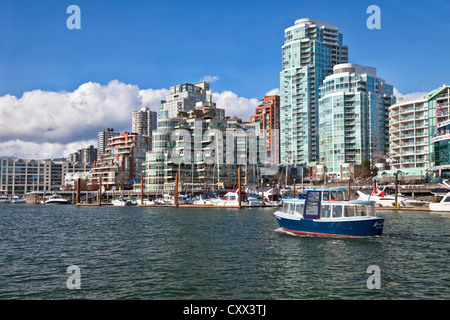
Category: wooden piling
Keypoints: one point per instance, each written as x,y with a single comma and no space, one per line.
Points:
176,190
78,190
100,191
239,186
142,189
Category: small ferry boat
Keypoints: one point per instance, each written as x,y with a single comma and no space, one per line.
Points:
325,212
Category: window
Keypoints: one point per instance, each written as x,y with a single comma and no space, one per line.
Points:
349,211
326,211
337,211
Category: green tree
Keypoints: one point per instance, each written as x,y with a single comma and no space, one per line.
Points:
211,113
182,114
197,113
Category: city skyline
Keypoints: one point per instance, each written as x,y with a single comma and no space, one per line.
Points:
119,62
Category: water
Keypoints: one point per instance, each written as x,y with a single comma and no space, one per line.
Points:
168,253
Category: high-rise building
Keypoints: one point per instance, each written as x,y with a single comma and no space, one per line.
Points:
267,116
353,118
144,121
102,140
207,166
121,163
419,134
184,97
85,155
311,49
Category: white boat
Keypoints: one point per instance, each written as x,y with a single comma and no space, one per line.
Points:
121,202
388,200
4,199
443,205
231,199
205,199
56,199
253,202
18,200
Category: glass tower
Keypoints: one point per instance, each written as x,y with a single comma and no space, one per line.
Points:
311,49
353,117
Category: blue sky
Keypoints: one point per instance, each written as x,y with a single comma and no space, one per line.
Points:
157,44
128,53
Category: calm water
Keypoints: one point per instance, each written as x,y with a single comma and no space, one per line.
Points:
166,253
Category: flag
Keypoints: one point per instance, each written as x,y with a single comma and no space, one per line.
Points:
378,193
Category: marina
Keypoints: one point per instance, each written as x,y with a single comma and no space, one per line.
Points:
136,252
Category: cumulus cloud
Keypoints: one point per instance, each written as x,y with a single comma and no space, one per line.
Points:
46,150
58,123
210,79
409,96
234,105
273,92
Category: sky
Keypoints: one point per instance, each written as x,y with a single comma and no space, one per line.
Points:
60,86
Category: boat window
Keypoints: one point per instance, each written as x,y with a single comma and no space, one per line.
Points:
340,196
361,211
333,195
325,196
337,211
349,211
325,211
446,199
299,208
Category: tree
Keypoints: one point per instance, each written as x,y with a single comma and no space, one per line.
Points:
182,114
197,113
211,113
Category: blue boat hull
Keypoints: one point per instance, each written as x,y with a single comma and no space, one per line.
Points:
345,227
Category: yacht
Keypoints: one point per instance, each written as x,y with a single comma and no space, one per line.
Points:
388,200
121,202
56,199
443,205
4,198
18,200
231,199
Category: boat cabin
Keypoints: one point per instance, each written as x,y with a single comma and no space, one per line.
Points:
332,194
332,209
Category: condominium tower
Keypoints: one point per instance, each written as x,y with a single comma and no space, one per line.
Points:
184,97
144,121
267,117
353,118
419,134
311,49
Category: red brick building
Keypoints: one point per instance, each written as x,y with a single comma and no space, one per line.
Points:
267,114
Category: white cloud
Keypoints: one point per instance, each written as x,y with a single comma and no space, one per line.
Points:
54,120
44,124
408,96
210,79
273,92
234,105
36,150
